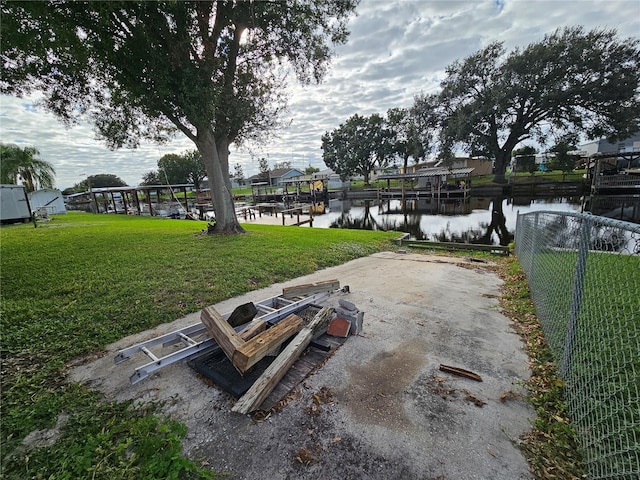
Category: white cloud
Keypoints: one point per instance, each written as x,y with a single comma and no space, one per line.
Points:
396,50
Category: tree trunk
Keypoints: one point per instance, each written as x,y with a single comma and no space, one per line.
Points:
502,160
216,161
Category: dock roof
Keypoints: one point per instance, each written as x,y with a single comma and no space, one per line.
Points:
428,172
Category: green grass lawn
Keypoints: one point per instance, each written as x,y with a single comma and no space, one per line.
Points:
602,382
81,281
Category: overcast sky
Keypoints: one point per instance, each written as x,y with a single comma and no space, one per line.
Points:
397,49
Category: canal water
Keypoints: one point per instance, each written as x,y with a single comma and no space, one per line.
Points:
485,220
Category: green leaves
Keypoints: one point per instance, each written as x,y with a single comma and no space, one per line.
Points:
571,80
358,146
22,164
212,70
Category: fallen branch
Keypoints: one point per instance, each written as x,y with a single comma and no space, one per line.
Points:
461,372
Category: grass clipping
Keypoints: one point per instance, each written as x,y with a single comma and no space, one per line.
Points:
551,446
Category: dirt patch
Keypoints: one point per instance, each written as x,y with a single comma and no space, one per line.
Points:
376,388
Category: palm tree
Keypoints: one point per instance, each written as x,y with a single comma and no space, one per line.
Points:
22,164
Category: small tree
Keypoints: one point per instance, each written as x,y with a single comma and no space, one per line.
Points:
311,170
102,180
195,166
263,167
151,178
22,164
282,165
183,168
406,138
239,173
563,159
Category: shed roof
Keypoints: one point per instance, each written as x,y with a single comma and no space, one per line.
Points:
428,172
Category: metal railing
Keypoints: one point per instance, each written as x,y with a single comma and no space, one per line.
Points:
584,276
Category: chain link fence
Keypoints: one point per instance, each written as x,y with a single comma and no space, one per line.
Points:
584,276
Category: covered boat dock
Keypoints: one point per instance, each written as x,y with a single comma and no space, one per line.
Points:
431,182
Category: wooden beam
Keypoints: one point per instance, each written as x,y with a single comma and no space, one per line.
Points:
247,355
310,288
253,329
248,347
220,330
265,384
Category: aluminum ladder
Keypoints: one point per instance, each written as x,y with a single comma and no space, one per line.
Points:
271,310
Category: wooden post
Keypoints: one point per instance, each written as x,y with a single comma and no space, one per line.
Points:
186,202
124,202
265,384
220,330
138,202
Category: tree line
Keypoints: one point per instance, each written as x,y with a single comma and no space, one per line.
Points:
571,83
215,72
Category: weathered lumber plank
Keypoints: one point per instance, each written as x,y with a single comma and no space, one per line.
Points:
220,330
265,384
498,249
253,329
310,288
254,350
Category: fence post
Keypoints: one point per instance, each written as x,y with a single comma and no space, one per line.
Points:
578,288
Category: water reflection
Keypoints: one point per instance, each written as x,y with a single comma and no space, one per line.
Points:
471,220
481,220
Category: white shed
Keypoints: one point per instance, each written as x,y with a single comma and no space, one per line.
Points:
49,200
14,204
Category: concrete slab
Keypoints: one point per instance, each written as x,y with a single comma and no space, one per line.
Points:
379,408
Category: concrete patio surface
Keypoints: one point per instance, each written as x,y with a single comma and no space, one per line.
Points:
379,408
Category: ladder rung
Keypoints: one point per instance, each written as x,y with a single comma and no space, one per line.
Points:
149,354
265,309
269,314
187,340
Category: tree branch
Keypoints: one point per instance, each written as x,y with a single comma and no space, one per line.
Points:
179,125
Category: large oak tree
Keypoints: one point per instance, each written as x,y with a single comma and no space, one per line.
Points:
358,146
571,81
212,70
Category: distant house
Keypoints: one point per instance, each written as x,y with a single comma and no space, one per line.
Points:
278,176
631,144
238,182
419,166
394,169
629,149
258,178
